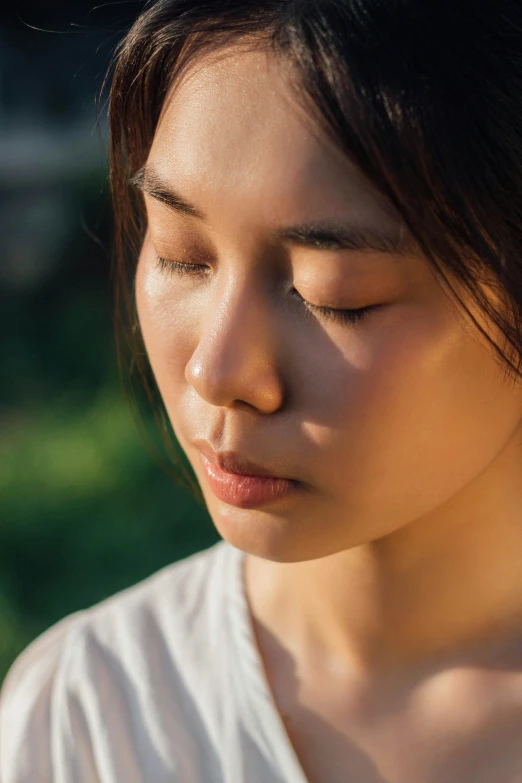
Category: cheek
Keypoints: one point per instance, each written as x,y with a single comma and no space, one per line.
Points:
418,420
165,325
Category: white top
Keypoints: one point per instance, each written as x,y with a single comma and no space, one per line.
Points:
162,682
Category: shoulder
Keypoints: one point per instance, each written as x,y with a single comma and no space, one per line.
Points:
25,705
105,664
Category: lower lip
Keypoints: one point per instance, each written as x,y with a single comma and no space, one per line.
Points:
246,491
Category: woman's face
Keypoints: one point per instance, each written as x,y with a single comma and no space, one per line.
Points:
382,420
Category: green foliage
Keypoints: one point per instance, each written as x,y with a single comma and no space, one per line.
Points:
85,513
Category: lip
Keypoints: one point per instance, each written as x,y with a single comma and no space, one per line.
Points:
240,482
230,462
246,491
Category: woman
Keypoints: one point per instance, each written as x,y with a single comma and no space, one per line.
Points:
325,199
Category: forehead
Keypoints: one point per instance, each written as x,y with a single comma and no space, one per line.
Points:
232,125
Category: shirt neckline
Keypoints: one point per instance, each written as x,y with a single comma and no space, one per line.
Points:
257,685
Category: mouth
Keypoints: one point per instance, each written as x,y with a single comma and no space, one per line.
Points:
231,462
245,489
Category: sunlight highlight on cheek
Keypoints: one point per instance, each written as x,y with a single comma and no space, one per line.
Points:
151,298
167,319
153,283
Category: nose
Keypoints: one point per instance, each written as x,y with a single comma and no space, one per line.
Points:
235,360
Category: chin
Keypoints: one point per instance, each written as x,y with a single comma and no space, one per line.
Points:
271,536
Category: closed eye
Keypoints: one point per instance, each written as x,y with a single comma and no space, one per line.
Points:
180,268
338,314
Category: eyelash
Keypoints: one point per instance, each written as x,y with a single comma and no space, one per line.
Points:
343,316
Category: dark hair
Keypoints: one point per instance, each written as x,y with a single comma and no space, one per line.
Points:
425,97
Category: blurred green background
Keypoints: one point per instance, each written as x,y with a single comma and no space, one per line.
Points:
85,510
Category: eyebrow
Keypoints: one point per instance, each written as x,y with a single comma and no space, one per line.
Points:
319,234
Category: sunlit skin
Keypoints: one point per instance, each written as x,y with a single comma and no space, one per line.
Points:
387,595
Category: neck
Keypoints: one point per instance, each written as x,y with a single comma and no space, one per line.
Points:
446,584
